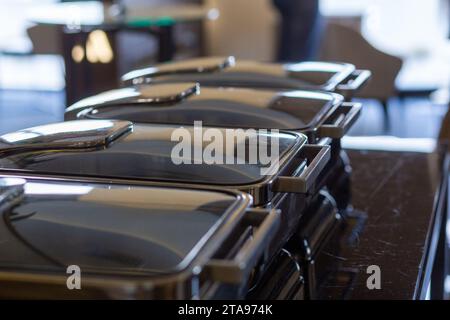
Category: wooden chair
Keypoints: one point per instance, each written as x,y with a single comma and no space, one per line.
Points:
343,43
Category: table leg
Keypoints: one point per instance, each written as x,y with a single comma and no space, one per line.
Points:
440,268
166,40
90,74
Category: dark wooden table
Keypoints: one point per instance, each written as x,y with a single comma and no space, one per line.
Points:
398,224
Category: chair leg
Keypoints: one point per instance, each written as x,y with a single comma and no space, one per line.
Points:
384,104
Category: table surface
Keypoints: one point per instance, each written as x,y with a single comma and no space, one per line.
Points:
394,196
94,14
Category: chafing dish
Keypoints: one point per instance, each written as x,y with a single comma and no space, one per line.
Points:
315,114
320,236
323,117
114,150
306,260
126,240
341,78
283,280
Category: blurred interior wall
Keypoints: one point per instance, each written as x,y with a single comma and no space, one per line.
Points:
245,28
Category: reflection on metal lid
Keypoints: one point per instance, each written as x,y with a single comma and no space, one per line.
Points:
314,95
200,65
111,228
56,189
11,189
11,182
167,92
315,67
106,97
70,135
149,94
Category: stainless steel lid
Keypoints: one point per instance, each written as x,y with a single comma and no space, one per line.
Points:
145,152
218,107
255,163
125,237
80,135
107,228
225,71
313,113
149,95
198,65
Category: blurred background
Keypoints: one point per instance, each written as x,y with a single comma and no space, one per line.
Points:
53,53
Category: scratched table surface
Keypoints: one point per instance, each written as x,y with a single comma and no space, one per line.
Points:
394,196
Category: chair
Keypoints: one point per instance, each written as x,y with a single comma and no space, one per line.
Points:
343,43
46,39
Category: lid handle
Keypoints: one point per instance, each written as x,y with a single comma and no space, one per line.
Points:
317,158
200,65
238,269
11,192
354,82
79,134
340,121
145,95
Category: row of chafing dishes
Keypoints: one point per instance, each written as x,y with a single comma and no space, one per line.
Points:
100,191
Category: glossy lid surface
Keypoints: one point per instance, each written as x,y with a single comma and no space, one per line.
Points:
108,228
69,135
167,153
246,73
198,65
160,94
218,107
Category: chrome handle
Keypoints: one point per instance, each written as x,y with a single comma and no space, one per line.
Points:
70,135
194,66
355,81
238,269
340,121
317,158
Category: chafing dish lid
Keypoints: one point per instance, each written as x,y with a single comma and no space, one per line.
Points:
149,153
318,73
218,107
108,228
161,94
69,135
198,65
246,73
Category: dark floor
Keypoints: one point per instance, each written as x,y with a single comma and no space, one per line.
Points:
410,117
